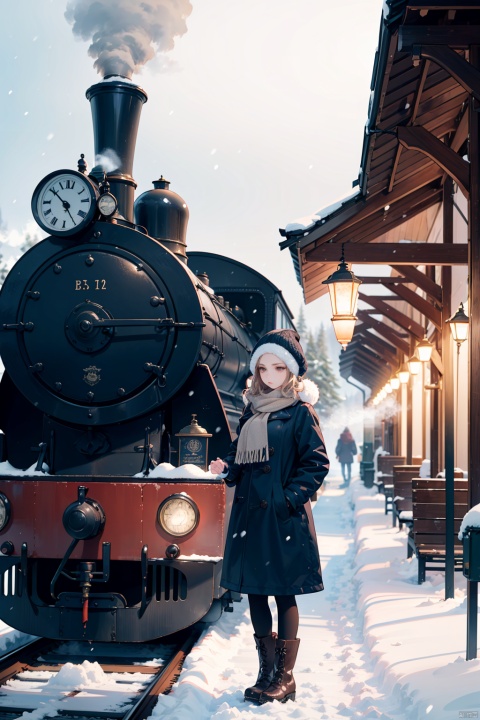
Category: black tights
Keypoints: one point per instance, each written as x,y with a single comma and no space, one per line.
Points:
262,617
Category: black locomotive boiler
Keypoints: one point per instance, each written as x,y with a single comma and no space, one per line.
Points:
112,338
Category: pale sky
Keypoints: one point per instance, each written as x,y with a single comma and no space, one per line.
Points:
259,122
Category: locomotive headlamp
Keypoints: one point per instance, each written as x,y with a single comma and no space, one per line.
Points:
107,204
178,515
4,510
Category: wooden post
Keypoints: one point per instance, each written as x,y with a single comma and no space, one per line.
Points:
448,395
474,341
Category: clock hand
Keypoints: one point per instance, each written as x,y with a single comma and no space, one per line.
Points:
66,205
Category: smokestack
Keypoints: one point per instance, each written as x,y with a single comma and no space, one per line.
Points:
116,107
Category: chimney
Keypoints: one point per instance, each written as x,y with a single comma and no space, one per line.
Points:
116,107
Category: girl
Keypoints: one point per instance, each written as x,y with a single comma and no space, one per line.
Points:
276,464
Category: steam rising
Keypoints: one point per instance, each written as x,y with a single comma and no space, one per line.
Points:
126,34
108,160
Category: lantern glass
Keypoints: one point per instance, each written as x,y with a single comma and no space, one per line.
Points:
388,388
414,365
424,350
459,325
395,382
344,327
344,296
404,374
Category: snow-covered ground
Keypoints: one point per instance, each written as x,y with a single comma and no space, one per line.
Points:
374,644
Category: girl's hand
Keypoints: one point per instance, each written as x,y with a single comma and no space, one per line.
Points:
217,467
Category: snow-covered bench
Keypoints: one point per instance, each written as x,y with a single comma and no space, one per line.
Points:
427,539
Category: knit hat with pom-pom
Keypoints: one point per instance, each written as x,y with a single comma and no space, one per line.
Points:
285,344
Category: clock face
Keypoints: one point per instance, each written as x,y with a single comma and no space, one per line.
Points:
64,202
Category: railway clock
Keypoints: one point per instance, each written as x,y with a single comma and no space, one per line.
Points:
65,202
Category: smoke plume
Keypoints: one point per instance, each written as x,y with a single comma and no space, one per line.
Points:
126,34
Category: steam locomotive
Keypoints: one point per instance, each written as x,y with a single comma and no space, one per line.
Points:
112,339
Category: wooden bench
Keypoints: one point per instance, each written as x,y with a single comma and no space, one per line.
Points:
402,494
427,538
383,476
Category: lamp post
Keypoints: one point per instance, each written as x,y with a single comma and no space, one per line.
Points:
343,288
459,326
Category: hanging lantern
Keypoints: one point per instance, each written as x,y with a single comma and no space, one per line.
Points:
424,350
343,288
414,365
395,382
344,327
459,325
403,373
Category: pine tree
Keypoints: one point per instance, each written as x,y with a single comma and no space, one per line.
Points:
320,370
301,326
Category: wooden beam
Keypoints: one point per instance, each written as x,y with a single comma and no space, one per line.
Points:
387,351
463,72
412,274
384,331
383,279
405,322
458,36
417,138
362,208
444,5
392,253
419,303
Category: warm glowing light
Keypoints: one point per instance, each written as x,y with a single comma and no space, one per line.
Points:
404,373
344,327
388,388
459,325
395,382
414,365
424,350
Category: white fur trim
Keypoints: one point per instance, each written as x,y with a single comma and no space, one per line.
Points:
310,392
277,350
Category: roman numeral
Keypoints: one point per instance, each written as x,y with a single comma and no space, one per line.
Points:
61,185
70,184
81,191
81,213
63,224
86,200
53,221
47,212
47,202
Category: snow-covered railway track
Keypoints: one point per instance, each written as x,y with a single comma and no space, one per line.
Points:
90,680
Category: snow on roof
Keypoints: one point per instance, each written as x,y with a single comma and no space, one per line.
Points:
309,221
471,519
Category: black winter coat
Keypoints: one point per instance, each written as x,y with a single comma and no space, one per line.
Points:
271,546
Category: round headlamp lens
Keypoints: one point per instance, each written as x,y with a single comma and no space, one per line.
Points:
107,204
178,515
4,510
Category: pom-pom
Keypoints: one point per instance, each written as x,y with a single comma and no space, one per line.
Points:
310,392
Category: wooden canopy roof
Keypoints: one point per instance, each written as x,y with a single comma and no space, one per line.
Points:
418,111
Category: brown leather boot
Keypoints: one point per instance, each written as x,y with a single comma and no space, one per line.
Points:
282,687
266,658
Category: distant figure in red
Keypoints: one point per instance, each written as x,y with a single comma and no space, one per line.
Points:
345,451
